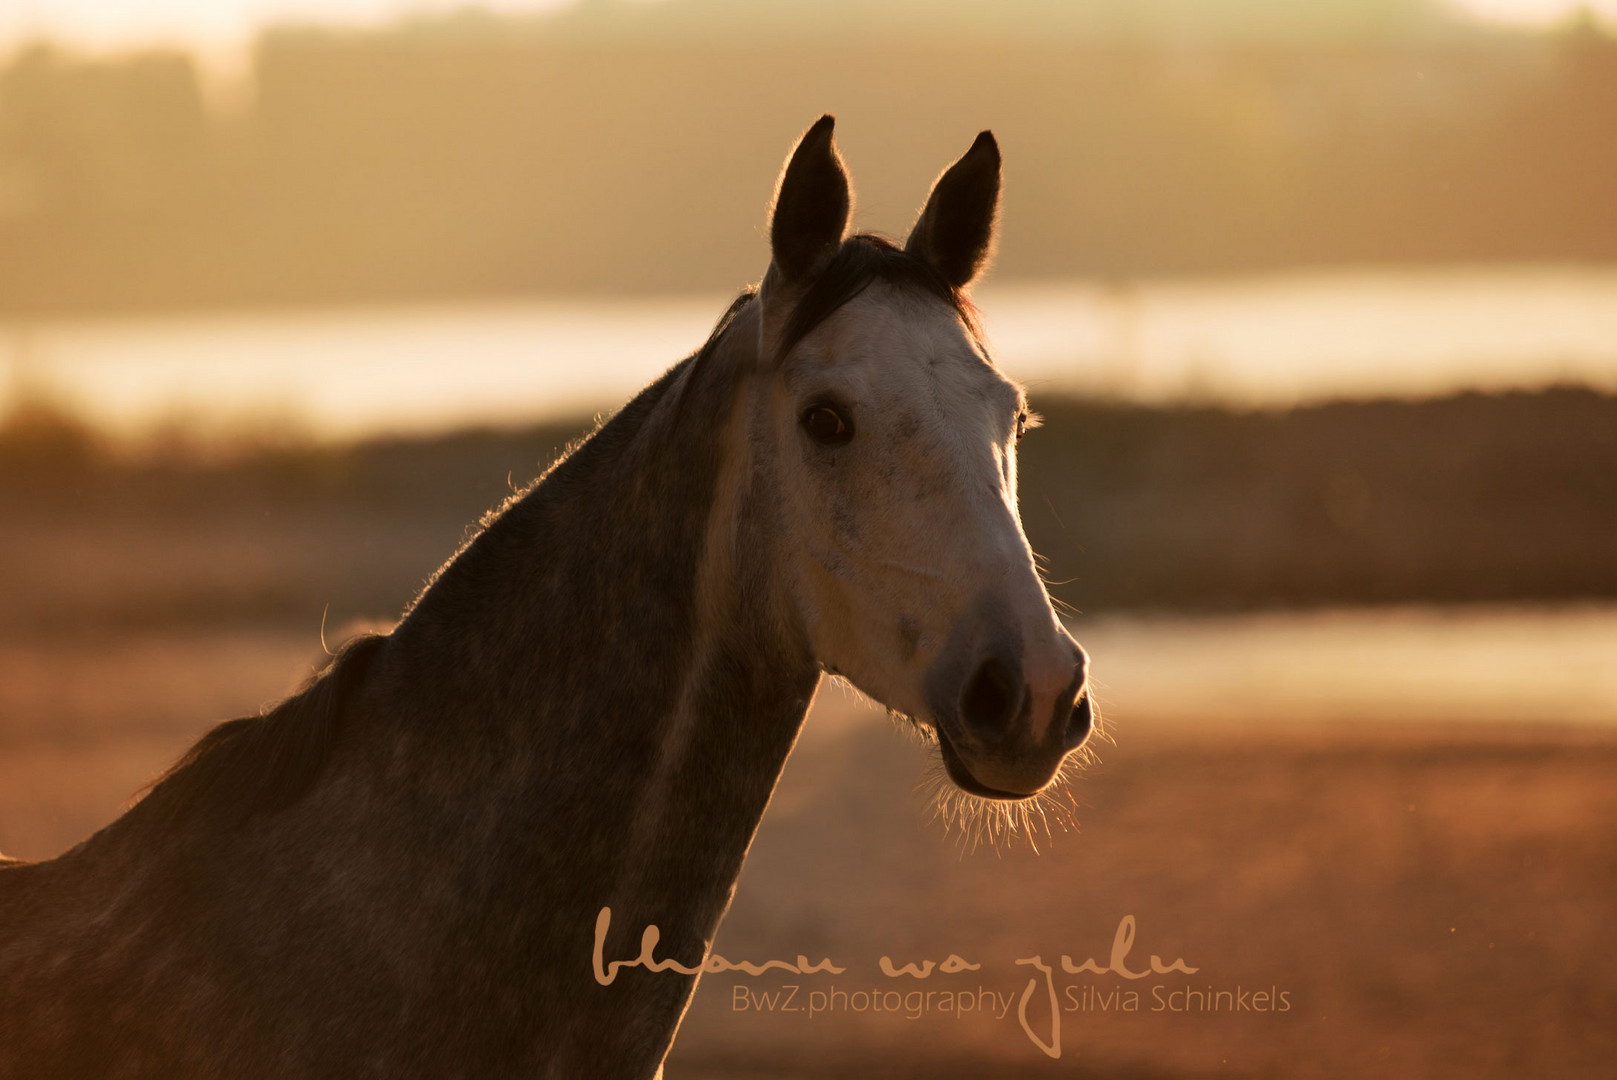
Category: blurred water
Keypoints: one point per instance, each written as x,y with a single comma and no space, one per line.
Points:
1333,670
1462,664
1261,340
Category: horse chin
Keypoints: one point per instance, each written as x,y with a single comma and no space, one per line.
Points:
966,781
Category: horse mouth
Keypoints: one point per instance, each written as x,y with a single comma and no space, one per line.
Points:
962,775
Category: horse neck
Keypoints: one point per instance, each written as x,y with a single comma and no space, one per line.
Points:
614,643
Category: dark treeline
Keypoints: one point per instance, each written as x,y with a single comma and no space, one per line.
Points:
1471,498
1466,499
434,162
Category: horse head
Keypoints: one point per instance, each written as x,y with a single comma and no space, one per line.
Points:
894,441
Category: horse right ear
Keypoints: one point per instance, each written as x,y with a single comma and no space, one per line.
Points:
812,201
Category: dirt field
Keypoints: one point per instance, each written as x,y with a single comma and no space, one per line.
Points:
1429,900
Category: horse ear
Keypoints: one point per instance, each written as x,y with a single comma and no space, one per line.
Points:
955,232
811,207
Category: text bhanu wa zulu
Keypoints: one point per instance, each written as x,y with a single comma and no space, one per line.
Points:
915,1003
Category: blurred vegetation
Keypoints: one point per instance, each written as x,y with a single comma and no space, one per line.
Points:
636,150
1472,498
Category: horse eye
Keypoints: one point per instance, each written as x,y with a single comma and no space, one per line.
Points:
1021,426
825,425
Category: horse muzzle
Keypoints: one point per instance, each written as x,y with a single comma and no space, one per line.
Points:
1004,727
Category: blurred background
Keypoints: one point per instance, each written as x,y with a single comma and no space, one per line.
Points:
1318,300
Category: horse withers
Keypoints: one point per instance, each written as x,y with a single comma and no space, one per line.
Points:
399,871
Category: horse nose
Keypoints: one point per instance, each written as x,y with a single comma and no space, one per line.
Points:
1061,698
1080,720
992,698
1015,717
997,694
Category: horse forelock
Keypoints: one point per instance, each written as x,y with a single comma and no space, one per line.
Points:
862,259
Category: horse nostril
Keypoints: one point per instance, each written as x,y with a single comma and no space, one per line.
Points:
990,698
1079,722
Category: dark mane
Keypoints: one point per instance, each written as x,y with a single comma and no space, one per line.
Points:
262,763
721,327
600,434
862,259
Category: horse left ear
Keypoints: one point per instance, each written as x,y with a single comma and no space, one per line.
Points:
955,232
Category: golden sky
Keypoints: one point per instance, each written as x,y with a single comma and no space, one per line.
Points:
206,24
226,25
1535,12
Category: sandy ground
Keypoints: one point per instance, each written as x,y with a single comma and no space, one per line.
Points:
1425,899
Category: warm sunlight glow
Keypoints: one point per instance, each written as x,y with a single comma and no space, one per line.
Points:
223,27
1535,12
211,25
